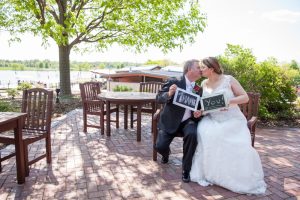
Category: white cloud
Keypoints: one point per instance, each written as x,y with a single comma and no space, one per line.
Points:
283,16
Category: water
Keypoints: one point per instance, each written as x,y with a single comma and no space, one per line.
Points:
9,79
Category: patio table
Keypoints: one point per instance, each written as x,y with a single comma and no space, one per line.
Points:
127,98
14,121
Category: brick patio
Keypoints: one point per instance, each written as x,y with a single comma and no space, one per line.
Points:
93,166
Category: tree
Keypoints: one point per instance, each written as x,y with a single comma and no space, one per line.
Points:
165,24
161,63
294,65
241,63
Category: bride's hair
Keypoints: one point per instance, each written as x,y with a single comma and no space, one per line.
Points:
212,62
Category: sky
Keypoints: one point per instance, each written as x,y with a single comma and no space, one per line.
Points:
270,28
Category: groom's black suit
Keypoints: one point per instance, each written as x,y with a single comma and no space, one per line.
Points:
170,123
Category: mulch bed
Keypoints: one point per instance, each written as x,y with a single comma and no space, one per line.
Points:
279,123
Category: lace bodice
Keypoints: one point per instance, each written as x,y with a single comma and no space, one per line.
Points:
223,87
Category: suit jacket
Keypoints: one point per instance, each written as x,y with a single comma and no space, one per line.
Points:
171,115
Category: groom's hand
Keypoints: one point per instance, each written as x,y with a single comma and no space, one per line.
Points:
172,90
197,113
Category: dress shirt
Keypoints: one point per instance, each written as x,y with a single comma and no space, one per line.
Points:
189,88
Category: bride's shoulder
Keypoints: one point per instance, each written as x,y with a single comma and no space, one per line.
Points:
228,78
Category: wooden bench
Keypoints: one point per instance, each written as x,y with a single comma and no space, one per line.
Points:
249,109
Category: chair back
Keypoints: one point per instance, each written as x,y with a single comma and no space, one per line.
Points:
250,108
89,92
37,103
152,87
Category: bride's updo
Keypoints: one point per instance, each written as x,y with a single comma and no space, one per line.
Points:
212,62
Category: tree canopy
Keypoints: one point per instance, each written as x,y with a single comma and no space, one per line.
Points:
134,24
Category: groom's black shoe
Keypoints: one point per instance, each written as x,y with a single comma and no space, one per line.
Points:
165,158
186,176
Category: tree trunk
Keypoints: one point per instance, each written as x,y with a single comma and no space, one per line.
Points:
64,70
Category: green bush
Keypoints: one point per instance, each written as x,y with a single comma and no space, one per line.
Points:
24,86
298,103
6,107
274,82
122,88
12,92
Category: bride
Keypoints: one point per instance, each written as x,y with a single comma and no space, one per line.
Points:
224,155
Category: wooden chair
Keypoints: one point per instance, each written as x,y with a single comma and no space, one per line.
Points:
37,103
91,105
249,109
151,87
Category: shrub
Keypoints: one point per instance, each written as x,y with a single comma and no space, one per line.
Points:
122,88
272,81
24,86
6,106
298,103
12,92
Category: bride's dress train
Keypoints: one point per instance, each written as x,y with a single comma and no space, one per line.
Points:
224,155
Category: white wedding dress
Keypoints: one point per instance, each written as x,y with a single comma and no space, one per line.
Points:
224,155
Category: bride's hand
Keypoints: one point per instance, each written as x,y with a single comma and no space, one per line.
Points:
197,113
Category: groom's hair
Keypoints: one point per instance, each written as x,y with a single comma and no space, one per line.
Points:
188,65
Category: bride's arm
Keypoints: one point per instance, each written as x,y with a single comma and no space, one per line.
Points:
239,93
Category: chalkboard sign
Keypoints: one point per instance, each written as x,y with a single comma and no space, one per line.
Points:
186,100
213,102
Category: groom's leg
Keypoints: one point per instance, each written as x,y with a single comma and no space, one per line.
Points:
163,142
189,144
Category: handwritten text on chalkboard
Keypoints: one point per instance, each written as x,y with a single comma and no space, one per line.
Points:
213,103
185,99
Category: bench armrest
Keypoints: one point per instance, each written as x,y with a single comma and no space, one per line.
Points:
251,124
156,115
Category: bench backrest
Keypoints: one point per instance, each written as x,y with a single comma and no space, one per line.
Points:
250,109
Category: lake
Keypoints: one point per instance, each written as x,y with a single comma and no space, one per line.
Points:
9,79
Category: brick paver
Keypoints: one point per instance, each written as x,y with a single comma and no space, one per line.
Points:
93,166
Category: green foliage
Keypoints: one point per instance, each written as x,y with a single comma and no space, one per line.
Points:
24,85
122,88
6,106
298,103
134,24
294,65
240,63
275,83
34,65
161,63
12,92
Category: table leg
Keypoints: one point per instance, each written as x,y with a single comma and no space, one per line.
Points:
125,116
107,118
19,148
102,118
139,112
153,104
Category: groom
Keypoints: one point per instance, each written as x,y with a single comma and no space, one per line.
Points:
174,118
